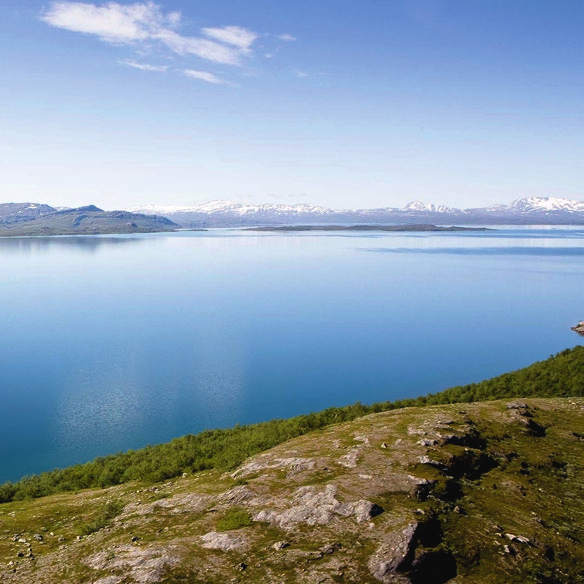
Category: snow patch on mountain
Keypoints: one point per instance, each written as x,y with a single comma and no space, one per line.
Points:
423,207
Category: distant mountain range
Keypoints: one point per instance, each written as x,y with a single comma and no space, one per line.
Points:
41,219
532,210
37,219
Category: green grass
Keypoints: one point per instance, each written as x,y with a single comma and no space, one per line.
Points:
561,375
235,518
109,511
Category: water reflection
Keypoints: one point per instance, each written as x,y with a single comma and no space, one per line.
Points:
99,408
219,375
38,245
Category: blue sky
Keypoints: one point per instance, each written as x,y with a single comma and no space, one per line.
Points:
343,103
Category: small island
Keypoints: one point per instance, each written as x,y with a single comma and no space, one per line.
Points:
579,328
399,228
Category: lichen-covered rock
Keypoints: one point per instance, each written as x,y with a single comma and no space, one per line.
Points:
223,541
316,506
268,462
145,565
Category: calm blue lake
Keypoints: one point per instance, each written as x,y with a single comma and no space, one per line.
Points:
112,343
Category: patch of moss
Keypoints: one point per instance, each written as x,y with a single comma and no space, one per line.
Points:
235,518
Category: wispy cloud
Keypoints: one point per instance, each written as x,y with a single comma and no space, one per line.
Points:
145,66
112,22
287,37
203,48
233,35
205,76
136,24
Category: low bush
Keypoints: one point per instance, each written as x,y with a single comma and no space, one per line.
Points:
108,512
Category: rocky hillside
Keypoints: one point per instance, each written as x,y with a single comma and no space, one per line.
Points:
18,212
476,493
89,220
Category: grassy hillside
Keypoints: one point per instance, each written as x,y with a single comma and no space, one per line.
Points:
479,493
561,375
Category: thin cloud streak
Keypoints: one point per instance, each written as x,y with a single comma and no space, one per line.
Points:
205,76
145,66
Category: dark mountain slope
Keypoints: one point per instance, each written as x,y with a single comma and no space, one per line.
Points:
88,220
19,212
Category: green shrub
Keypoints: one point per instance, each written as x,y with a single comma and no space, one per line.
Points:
108,512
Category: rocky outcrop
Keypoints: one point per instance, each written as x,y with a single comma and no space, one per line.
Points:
412,555
147,565
315,506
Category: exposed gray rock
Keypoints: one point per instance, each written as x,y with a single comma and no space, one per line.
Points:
265,462
517,405
223,541
350,459
426,442
393,555
411,555
315,506
331,548
429,461
109,580
145,565
237,495
184,503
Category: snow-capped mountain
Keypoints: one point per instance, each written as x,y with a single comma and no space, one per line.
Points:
530,210
547,204
236,208
422,207
234,213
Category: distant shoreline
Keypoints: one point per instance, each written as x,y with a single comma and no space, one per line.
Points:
399,228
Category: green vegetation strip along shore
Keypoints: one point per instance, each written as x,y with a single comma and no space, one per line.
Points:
561,375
